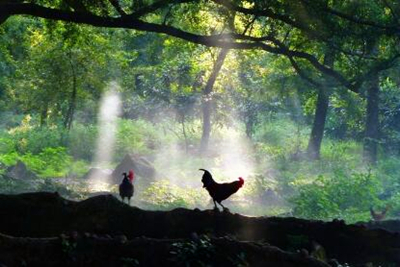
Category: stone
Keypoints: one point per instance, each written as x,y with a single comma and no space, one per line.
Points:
141,166
20,171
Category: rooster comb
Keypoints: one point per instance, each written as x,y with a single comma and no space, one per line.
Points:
131,175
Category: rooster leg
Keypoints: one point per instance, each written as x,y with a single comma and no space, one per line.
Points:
215,205
129,201
223,207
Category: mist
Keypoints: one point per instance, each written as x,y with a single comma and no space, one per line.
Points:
109,111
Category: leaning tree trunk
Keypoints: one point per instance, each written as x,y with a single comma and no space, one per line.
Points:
317,132
207,99
372,121
321,111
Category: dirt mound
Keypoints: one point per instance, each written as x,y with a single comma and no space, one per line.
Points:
49,215
94,250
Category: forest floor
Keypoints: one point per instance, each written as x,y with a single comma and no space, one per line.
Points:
47,230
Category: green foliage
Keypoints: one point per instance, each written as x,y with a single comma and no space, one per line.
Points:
130,262
280,137
341,196
82,141
78,168
388,171
136,137
199,252
7,145
346,119
57,161
43,62
51,162
9,158
164,195
29,138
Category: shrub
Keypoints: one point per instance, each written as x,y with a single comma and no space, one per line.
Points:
51,162
341,196
130,137
388,171
56,162
198,252
163,195
9,159
7,144
35,139
82,141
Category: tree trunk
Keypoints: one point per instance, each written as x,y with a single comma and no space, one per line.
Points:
317,132
249,127
372,121
71,109
184,133
207,99
43,115
321,111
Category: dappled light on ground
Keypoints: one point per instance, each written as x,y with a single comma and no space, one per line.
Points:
95,186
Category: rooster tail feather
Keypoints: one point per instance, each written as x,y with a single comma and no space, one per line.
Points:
206,173
207,178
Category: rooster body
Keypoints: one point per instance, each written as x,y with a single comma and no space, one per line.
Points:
126,188
220,191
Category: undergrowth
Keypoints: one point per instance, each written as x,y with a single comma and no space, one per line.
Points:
281,181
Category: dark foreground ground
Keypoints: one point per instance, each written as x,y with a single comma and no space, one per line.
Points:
44,229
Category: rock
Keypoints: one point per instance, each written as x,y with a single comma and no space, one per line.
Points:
98,174
141,166
20,171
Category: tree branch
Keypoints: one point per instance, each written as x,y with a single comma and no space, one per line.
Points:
270,14
388,29
227,41
117,6
301,73
156,6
